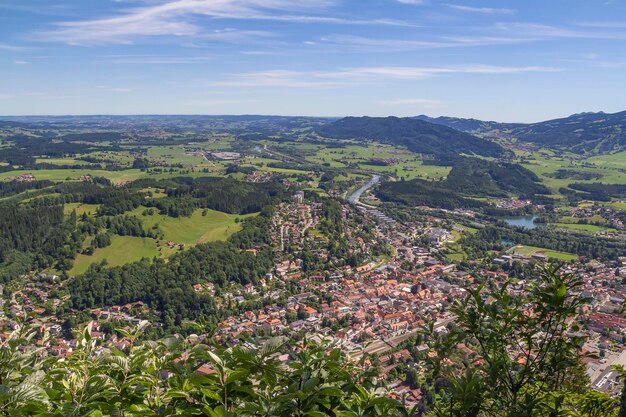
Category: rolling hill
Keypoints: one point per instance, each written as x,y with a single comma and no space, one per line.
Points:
579,133
417,135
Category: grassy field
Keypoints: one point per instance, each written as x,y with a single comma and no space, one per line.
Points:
117,177
531,250
174,155
617,205
60,161
74,174
123,249
591,228
408,165
187,230
195,229
80,208
610,167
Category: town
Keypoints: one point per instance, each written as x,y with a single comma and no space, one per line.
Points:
374,302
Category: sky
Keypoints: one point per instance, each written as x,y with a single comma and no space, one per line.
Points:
503,60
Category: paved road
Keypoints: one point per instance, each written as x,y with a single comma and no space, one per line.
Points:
354,198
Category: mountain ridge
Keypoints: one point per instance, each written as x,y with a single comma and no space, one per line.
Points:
579,133
417,135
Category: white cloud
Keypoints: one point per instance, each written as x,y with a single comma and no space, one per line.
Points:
535,31
153,60
362,75
13,48
481,10
421,102
178,18
5,96
604,24
414,2
385,44
220,102
280,78
20,62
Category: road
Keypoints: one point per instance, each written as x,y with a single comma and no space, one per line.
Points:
354,198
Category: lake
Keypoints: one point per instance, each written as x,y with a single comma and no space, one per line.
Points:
527,222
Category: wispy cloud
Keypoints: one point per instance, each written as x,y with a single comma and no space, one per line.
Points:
13,48
153,59
280,78
220,102
481,10
5,96
414,2
362,75
179,18
20,62
510,33
48,96
386,44
536,31
421,102
114,89
604,24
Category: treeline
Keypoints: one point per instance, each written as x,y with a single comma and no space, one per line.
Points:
475,177
221,194
601,192
43,232
13,187
491,237
424,193
167,286
25,149
468,177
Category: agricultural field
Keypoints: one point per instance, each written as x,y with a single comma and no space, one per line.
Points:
591,228
532,250
608,168
123,249
188,231
80,208
197,228
401,162
74,174
174,155
61,161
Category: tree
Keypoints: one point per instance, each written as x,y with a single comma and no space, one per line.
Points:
522,352
174,377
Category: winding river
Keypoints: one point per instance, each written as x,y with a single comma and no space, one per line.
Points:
354,197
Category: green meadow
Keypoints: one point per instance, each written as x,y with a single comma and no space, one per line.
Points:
531,250
189,231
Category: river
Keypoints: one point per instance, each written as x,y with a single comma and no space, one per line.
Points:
354,197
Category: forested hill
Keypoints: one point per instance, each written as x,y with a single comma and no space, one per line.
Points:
417,135
579,133
470,177
467,125
584,132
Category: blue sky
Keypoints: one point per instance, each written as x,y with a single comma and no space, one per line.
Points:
500,60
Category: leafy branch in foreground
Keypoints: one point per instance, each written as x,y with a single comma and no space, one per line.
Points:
516,353
175,377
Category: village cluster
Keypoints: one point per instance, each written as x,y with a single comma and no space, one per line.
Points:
370,309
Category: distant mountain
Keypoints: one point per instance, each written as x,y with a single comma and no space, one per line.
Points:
579,133
467,125
417,135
